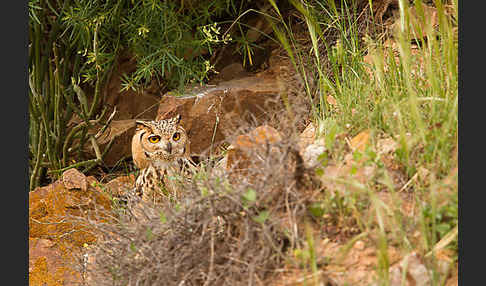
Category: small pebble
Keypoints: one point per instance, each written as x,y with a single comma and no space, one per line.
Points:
359,245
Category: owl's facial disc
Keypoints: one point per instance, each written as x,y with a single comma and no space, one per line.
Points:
161,141
165,149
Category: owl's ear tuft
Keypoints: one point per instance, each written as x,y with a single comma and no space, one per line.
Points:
176,119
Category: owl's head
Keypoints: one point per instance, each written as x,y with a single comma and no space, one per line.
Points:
159,142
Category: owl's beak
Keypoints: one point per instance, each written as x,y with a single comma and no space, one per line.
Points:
168,148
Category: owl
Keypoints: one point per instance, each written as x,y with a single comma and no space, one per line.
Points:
159,149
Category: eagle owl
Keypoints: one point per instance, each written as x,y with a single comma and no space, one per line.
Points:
159,149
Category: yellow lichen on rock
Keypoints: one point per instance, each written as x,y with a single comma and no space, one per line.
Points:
56,235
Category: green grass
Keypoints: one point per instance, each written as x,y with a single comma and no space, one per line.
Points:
412,98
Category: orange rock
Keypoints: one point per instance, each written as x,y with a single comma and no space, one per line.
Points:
55,237
257,138
260,135
360,141
331,100
48,264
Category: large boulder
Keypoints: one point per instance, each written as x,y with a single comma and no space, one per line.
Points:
56,237
209,114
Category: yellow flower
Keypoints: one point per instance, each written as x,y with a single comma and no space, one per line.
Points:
143,31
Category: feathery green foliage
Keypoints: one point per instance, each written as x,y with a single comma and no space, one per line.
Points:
73,46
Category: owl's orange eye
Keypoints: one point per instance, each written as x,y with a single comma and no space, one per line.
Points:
176,136
154,139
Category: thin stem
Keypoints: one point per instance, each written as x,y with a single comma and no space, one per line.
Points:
37,162
76,165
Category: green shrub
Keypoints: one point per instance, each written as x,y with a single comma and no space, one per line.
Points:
73,46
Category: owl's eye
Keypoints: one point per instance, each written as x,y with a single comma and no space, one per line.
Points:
154,139
176,136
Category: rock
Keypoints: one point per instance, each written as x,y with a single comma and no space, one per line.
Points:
417,273
348,169
54,202
47,264
210,113
238,97
237,157
73,179
331,100
310,148
120,185
360,245
360,141
311,154
120,131
307,137
385,146
55,236
229,72
257,137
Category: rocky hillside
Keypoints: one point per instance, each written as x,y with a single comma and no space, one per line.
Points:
315,165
